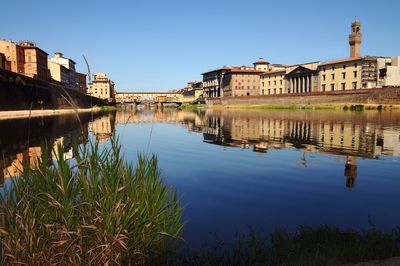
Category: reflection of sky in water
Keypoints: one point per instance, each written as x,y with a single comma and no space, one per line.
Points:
265,169
227,188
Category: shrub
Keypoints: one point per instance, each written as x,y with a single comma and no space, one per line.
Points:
357,107
97,210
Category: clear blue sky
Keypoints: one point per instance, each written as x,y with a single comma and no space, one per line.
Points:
160,45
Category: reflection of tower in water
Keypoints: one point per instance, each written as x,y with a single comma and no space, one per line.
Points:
350,171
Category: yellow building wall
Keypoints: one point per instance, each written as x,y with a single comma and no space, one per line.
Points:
343,74
273,83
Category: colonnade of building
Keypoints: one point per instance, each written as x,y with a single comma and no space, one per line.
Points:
300,84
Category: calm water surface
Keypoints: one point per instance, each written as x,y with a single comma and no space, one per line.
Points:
234,169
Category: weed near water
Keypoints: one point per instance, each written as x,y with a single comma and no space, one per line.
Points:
98,210
321,245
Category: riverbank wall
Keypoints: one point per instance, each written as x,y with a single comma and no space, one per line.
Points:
386,96
18,92
19,114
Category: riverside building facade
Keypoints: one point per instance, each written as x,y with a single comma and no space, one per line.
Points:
353,73
25,58
102,87
60,63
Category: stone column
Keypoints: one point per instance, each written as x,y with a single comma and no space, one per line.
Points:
294,85
301,84
298,85
307,83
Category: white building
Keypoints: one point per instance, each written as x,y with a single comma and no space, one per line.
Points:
68,64
389,71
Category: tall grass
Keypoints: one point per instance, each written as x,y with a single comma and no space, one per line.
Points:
97,210
319,245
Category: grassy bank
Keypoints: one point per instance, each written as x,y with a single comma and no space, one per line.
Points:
193,106
100,210
321,245
107,108
348,106
97,210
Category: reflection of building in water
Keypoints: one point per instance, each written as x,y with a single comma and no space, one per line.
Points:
350,171
389,141
103,127
346,137
353,135
29,157
66,144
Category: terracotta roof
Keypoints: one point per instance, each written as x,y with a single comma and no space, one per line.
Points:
342,61
261,61
274,71
215,70
34,47
250,71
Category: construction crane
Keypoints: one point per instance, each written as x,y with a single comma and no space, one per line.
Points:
88,69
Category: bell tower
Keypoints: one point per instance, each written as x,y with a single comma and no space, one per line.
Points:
355,39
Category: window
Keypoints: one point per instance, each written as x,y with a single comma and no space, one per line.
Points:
333,76
343,86
269,83
323,87
263,83
281,82
288,91
333,68
355,74
280,90
323,69
332,87
355,64
269,91
275,82
262,91
323,77
274,91
344,66
354,85
344,75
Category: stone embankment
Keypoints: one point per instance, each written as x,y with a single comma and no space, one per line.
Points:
386,96
35,113
18,92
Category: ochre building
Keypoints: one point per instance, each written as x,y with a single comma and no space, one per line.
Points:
25,58
102,87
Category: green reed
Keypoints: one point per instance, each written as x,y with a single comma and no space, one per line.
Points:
308,245
97,210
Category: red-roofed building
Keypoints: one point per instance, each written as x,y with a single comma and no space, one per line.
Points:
25,58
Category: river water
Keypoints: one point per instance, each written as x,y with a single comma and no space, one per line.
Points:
241,168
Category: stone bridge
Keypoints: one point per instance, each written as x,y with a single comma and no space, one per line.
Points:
148,97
